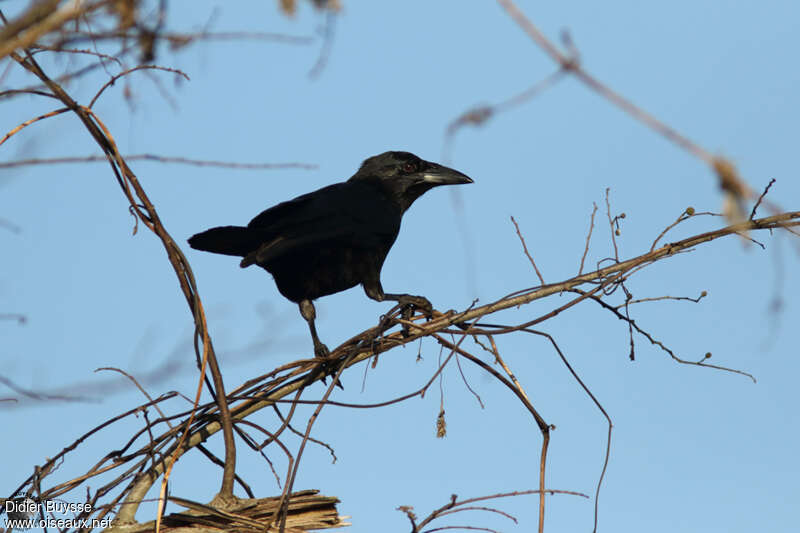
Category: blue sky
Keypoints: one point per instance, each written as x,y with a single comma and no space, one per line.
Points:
693,449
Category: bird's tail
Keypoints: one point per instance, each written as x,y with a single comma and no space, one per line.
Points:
228,240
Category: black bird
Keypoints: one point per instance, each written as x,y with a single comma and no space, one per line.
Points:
337,237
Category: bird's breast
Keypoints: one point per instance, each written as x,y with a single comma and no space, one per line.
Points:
325,270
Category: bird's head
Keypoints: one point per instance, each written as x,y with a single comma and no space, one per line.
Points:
405,176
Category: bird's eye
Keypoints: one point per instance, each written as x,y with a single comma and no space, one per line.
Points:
409,167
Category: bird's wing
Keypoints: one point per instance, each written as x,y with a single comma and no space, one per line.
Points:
298,208
343,214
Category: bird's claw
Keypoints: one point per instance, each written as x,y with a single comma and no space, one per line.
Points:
418,302
329,370
338,382
410,303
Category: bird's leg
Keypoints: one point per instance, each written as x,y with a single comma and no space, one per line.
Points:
309,313
320,350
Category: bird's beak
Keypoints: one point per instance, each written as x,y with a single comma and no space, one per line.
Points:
441,175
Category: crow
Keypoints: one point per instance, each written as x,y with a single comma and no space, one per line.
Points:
336,237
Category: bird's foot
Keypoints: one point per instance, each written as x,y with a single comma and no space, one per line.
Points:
410,303
417,302
330,370
321,351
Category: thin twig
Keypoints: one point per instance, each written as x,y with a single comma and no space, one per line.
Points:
760,198
31,121
611,226
114,78
588,237
525,248
661,298
159,159
597,404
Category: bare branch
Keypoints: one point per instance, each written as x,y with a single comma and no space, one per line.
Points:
525,248
158,159
588,237
760,198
